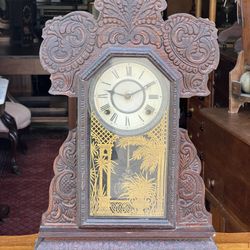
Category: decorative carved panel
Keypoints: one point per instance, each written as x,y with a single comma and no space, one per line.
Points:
191,186
137,22
62,200
68,43
191,45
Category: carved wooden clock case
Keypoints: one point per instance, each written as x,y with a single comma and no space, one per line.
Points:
128,177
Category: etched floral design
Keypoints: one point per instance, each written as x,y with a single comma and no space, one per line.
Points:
126,173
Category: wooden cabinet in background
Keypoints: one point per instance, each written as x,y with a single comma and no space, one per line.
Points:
218,84
225,144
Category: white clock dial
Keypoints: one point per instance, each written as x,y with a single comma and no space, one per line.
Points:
129,95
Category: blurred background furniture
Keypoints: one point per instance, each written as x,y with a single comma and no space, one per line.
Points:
14,117
221,138
225,147
16,62
4,209
19,60
239,82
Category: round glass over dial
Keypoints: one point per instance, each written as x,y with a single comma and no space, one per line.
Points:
129,95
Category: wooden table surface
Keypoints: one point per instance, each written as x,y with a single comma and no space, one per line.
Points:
233,241
224,241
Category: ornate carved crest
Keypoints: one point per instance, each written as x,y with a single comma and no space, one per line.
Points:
69,42
192,48
138,22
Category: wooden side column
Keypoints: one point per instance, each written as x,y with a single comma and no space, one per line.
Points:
212,10
72,112
245,8
198,8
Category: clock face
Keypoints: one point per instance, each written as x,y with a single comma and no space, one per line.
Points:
129,95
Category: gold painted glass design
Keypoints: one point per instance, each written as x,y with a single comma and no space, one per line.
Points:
128,169
128,174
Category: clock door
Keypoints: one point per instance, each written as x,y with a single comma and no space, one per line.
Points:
128,175
128,161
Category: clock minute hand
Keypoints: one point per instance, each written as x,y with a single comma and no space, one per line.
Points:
148,85
144,87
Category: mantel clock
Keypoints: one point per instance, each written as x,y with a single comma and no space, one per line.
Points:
127,177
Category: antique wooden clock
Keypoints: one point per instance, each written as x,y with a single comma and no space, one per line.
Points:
128,177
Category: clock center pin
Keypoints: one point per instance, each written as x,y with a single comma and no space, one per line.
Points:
127,96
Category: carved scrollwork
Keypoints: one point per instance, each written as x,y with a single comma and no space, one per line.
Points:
62,200
191,188
191,45
68,43
135,21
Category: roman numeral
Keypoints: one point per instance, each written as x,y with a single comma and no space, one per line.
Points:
140,118
106,83
114,72
141,74
105,108
103,96
127,121
114,118
153,96
129,70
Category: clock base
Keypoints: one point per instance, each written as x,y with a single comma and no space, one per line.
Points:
207,244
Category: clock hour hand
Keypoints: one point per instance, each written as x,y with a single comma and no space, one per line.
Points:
112,92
